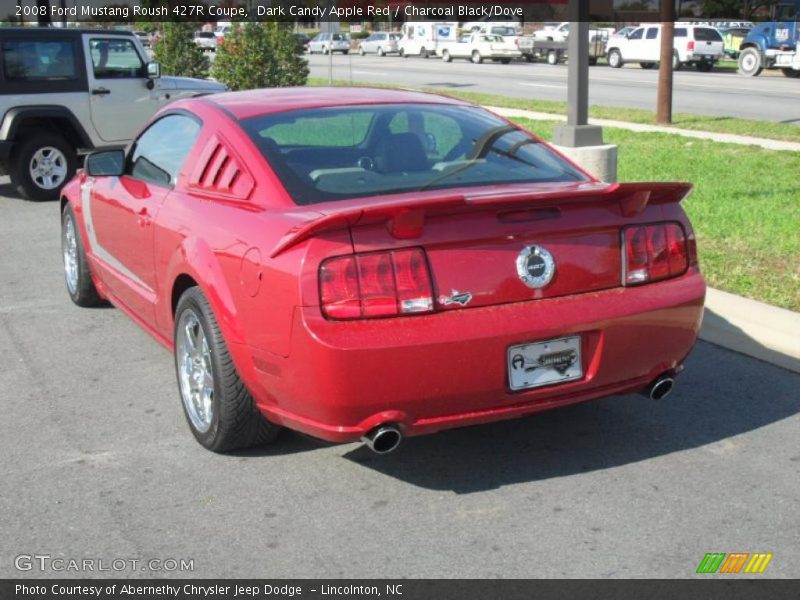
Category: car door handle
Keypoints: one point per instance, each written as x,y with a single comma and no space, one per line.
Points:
100,91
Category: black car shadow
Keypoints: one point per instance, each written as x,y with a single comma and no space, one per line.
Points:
720,394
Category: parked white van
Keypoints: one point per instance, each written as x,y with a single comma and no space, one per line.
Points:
694,44
422,38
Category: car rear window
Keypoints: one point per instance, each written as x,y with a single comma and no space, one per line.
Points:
706,34
344,152
39,60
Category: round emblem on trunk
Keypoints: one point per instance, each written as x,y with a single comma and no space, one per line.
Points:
535,266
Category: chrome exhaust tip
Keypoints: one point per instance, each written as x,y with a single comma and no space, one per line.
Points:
660,388
383,439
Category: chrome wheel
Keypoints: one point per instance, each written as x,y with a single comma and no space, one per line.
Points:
69,245
195,372
48,168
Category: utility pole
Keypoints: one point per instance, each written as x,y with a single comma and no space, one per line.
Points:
664,104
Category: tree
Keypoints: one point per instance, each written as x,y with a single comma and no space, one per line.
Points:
177,52
257,55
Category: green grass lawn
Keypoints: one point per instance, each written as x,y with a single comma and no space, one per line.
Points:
745,207
765,129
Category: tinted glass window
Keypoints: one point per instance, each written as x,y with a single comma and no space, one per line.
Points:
636,35
679,32
114,58
704,34
652,33
48,59
336,153
158,154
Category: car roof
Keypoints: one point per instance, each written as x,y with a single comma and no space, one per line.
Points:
252,103
61,31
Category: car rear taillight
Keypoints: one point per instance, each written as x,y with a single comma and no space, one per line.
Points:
690,45
378,284
654,252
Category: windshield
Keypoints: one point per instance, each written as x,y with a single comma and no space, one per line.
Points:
345,152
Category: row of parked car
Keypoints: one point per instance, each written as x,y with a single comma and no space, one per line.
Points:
696,45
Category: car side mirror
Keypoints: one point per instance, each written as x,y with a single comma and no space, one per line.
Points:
153,69
109,163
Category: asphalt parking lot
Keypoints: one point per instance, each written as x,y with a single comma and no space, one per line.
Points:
99,462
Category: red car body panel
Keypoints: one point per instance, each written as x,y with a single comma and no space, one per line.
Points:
256,254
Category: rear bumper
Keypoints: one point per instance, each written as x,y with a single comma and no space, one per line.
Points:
434,372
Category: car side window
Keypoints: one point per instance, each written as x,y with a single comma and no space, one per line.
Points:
679,32
652,33
41,60
159,153
115,58
636,35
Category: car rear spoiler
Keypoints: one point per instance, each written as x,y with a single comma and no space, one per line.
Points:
405,215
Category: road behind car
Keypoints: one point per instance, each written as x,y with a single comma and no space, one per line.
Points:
98,463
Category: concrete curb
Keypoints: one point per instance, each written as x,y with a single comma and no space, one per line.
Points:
728,138
753,328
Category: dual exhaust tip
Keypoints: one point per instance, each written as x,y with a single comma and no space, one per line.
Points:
386,438
383,438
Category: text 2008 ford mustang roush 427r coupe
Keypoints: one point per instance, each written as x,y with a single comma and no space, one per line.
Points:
358,263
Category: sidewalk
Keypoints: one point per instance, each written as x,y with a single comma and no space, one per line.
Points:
728,138
760,330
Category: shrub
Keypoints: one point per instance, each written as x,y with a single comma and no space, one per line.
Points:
257,55
177,52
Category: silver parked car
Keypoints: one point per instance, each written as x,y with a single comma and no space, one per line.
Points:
329,42
380,43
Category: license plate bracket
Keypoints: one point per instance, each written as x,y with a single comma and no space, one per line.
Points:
548,362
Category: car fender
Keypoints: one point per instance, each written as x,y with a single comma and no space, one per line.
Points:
15,117
195,258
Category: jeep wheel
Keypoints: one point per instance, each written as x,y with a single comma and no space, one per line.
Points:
220,411
44,163
749,62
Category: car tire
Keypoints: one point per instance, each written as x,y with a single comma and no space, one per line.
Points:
647,65
228,418
423,52
790,73
361,50
402,53
77,276
529,58
44,163
325,50
704,66
446,56
749,62
615,59
476,57
592,61
345,52
505,61
552,57
381,52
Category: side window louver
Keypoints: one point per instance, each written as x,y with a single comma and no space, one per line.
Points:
218,171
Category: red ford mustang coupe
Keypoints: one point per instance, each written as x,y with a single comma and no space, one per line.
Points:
373,264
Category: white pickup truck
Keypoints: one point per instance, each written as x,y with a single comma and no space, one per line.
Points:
479,46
